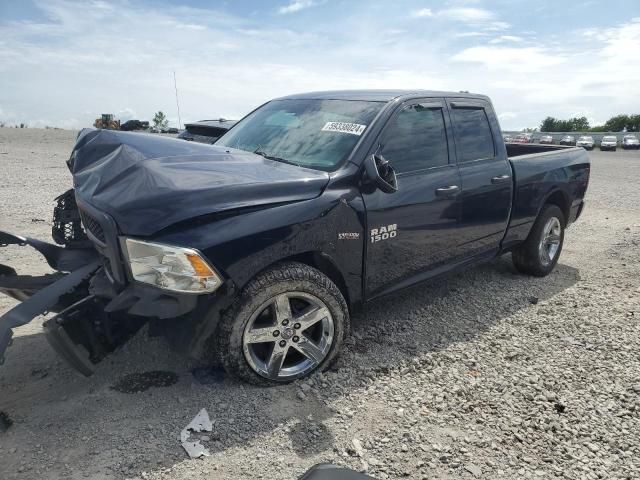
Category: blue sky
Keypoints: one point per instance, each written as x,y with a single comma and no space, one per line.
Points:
64,62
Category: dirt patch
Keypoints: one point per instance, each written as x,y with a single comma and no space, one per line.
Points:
141,382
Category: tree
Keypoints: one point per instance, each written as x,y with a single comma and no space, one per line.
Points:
620,122
580,124
548,125
576,124
160,120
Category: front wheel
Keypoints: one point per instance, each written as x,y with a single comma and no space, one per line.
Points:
539,253
289,321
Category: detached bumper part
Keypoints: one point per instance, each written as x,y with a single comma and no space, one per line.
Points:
83,334
41,302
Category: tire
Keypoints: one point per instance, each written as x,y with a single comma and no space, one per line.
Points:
529,257
271,310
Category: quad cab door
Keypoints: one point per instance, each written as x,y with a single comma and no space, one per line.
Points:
412,231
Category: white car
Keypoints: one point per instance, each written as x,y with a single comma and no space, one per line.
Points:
585,142
630,141
609,142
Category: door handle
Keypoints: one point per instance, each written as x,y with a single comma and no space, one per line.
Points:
501,179
447,191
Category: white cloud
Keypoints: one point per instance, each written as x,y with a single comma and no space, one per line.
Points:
467,14
296,6
423,12
506,38
529,59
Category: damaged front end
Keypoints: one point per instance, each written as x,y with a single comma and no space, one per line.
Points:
82,332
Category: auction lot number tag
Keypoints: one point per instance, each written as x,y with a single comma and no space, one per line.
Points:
343,127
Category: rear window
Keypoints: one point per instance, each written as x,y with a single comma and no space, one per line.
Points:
474,140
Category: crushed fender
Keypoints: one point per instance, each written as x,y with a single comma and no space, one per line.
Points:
200,423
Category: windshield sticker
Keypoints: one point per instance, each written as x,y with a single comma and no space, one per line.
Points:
343,127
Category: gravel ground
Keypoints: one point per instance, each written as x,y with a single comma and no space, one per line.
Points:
486,374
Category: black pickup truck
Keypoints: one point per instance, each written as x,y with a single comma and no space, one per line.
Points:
258,249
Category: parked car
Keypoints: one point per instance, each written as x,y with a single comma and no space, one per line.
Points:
132,125
258,249
568,140
523,138
154,130
609,142
507,138
630,141
172,130
546,139
206,131
585,142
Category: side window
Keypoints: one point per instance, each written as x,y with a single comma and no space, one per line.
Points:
473,134
416,139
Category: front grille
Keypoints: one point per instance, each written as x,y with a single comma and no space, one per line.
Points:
92,226
66,228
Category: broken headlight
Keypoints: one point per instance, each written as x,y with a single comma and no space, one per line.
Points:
173,268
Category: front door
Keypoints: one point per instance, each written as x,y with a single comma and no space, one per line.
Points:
413,230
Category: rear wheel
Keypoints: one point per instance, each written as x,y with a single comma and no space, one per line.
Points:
288,322
539,254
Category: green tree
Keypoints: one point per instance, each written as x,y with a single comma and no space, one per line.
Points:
548,125
620,122
580,124
160,120
576,124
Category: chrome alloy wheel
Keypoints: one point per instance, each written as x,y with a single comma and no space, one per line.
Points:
550,242
288,336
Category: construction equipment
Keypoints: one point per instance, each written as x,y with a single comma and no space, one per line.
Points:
107,121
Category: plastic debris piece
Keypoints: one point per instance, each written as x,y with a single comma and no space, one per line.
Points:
200,423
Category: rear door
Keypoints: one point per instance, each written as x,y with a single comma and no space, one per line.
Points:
413,230
485,173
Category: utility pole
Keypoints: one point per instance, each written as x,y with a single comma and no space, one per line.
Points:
175,85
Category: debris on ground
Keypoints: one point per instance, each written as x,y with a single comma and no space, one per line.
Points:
5,422
200,423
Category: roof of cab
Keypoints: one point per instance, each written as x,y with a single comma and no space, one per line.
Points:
378,95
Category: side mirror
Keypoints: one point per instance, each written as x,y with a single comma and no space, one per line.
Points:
381,173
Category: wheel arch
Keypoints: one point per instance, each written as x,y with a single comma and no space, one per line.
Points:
325,264
561,199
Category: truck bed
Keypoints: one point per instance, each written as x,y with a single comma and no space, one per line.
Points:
519,149
537,171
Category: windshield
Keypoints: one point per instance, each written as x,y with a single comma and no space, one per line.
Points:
316,134
585,139
609,139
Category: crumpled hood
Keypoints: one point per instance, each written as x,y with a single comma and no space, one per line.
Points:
147,183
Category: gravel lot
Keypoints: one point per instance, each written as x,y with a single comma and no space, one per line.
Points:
486,374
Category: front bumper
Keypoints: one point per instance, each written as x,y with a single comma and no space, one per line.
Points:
96,312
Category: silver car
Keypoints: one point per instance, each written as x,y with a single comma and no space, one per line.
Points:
630,141
585,142
609,142
546,139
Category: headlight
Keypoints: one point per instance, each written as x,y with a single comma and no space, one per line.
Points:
174,268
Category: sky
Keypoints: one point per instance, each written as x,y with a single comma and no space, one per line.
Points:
64,62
